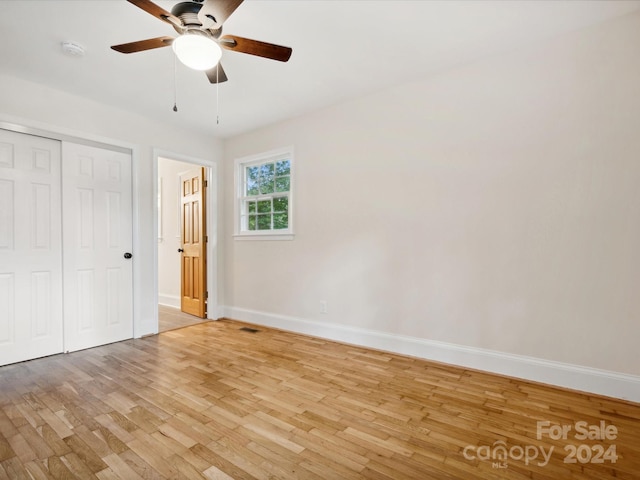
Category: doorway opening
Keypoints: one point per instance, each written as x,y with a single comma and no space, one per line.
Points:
185,258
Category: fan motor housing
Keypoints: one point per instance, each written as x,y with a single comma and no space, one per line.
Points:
187,12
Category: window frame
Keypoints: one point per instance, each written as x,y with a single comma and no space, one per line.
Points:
240,165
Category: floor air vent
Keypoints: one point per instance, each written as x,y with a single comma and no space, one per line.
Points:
249,329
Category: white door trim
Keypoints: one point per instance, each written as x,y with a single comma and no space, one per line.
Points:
63,137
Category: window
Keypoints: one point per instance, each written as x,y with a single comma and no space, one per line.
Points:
264,199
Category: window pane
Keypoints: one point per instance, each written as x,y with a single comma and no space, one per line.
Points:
252,187
267,177
252,175
251,207
266,185
283,167
264,206
280,204
264,222
282,184
280,221
267,169
252,223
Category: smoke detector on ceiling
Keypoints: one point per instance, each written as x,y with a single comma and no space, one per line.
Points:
72,49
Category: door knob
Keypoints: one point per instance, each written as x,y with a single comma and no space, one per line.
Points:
127,255
180,250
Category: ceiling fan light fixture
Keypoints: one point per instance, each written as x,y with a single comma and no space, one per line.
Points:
197,51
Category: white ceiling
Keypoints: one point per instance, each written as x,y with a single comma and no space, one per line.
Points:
341,49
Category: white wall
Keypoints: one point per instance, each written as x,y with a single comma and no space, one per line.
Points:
38,106
492,208
168,257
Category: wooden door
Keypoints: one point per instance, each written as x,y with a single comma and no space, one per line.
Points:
97,230
30,248
193,284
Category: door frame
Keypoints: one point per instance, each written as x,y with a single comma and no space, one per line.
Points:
211,176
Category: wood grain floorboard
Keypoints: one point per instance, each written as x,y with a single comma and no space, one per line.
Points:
211,401
170,318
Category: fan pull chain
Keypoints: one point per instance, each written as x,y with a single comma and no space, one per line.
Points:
175,84
218,94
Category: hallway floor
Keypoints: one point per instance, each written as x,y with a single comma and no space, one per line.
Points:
170,318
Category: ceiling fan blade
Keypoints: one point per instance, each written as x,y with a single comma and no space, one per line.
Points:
216,74
213,13
255,47
142,45
157,12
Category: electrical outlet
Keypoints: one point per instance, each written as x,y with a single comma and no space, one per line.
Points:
323,306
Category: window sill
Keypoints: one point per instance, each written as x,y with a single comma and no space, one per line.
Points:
263,236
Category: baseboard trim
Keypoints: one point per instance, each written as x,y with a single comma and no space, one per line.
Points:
574,377
169,300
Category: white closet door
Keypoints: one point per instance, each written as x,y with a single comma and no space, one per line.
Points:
97,232
30,248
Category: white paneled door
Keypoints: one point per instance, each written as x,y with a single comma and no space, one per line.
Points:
30,248
97,232
65,247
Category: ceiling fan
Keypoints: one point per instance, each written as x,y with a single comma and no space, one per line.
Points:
199,25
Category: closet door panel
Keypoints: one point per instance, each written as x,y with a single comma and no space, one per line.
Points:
97,229
31,322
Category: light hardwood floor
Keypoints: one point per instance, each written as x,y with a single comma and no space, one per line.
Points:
170,318
214,401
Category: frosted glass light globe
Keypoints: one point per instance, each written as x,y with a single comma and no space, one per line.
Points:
197,51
